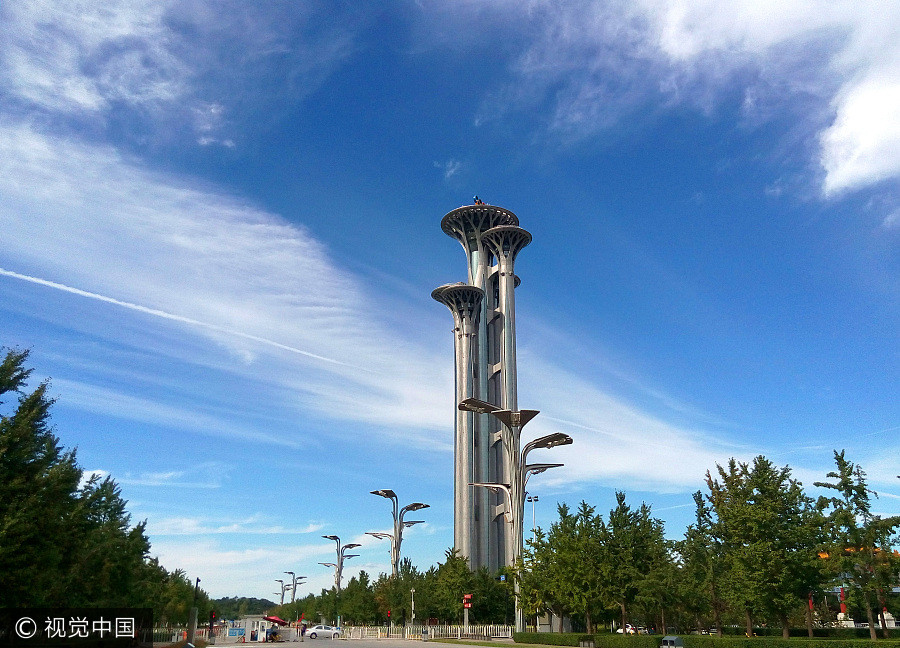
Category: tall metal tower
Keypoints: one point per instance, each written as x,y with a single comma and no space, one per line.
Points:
485,352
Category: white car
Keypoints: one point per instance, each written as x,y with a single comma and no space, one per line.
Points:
324,631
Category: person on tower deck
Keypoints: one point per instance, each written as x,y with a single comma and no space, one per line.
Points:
478,201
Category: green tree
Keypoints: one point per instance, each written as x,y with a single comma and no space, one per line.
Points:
452,579
634,544
769,532
358,601
63,544
547,575
701,570
858,541
38,486
106,554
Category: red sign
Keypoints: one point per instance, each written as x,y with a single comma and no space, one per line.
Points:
467,597
467,604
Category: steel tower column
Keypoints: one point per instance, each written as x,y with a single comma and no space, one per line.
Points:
505,242
465,303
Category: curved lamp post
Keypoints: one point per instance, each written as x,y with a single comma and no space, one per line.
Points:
399,524
341,556
517,471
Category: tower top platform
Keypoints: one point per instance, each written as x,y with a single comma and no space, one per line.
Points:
471,220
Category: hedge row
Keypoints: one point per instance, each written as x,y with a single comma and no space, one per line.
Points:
696,641
600,640
822,633
707,641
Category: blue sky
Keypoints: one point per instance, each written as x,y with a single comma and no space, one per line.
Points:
221,229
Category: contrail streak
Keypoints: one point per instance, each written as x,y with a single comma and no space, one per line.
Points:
175,318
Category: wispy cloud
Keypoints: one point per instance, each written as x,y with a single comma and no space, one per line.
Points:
170,67
615,441
87,475
236,570
597,64
268,292
255,525
450,168
99,226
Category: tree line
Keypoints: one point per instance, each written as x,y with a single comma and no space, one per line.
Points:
761,552
387,599
66,542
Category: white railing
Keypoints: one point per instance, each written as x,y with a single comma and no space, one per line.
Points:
428,631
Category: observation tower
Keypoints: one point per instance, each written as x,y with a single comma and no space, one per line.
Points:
485,357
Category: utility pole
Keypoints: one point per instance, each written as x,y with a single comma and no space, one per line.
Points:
192,622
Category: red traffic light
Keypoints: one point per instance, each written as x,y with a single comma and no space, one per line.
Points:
389,614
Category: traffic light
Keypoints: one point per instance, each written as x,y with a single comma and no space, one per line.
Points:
389,614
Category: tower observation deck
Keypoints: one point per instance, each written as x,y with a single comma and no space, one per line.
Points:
485,357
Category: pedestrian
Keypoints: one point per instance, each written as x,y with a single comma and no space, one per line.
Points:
302,632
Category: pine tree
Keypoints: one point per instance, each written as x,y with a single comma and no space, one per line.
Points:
38,484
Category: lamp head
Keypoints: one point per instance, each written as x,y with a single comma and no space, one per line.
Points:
332,537
552,440
477,406
409,523
536,469
385,492
495,487
350,546
416,506
379,535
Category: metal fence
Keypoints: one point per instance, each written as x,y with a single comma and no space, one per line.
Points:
429,632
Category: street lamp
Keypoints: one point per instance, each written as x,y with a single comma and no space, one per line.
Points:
339,566
399,524
279,580
293,585
412,606
532,499
517,471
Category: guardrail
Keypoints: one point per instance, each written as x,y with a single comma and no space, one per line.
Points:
419,632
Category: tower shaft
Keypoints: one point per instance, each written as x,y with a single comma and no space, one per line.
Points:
465,303
486,370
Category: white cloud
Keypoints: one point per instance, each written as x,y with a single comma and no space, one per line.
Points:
89,220
254,525
862,146
80,57
168,68
87,475
233,570
450,168
892,220
615,443
599,63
